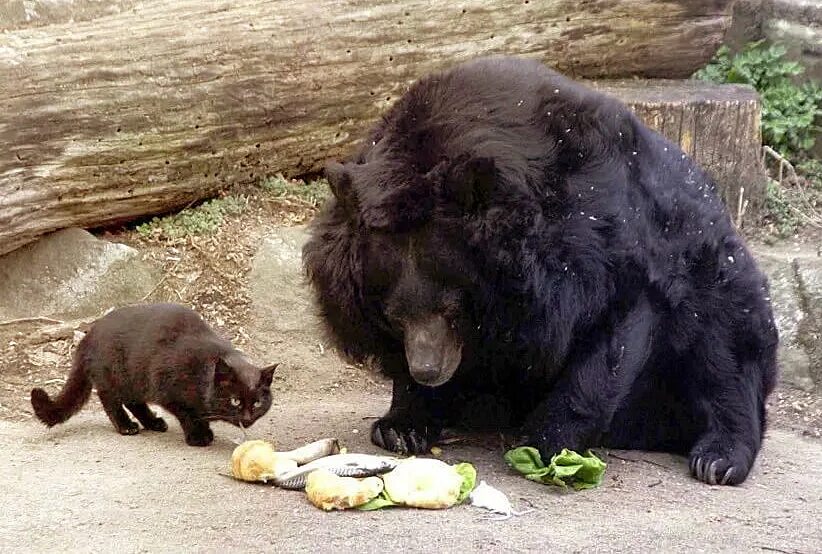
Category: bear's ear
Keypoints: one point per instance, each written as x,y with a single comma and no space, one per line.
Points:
339,179
470,180
389,195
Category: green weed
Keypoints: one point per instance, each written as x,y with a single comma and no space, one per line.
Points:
204,219
313,192
779,210
789,110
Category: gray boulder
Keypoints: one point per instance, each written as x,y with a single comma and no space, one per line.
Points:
808,272
796,291
280,299
797,24
71,274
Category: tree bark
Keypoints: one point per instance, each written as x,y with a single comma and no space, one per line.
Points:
135,108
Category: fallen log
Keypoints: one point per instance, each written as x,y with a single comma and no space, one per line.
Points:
137,108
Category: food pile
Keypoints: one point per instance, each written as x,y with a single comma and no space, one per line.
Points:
414,482
336,480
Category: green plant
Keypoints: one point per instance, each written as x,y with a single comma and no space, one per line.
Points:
811,170
314,192
779,209
200,220
789,110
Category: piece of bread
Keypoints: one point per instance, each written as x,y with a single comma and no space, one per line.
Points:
329,491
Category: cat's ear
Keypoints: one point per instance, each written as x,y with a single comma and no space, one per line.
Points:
237,369
223,373
214,377
267,375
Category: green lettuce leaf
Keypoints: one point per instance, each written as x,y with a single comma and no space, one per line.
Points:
469,480
580,471
525,459
382,500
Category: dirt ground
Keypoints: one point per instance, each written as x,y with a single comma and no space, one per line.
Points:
81,487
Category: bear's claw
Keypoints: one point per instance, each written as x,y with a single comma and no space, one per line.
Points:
714,471
392,435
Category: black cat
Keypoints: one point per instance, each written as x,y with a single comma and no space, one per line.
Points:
167,355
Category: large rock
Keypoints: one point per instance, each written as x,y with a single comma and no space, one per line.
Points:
796,291
795,24
746,23
284,322
808,271
71,274
280,299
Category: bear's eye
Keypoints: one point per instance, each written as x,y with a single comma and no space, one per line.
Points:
258,403
234,401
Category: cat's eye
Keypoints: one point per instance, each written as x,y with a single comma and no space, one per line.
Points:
234,401
258,403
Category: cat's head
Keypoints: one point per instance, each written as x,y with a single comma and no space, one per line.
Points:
242,390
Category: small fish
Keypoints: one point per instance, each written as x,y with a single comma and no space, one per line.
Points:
494,500
344,465
313,451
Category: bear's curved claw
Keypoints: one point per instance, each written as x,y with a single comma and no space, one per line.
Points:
714,471
403,439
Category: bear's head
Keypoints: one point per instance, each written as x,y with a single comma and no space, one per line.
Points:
419,282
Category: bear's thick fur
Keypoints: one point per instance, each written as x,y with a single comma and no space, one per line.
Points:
507,233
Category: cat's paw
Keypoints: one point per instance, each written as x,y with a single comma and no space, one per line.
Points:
200,437
157,424
403,436
130,428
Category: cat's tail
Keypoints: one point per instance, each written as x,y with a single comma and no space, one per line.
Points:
74,395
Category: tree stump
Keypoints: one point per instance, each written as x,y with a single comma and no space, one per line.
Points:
717,125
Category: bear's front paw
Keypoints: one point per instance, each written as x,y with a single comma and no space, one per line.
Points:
404,435
718,460
550,445
551,439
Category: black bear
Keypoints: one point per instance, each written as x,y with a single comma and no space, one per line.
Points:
507,233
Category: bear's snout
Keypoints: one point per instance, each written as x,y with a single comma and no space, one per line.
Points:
433,351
